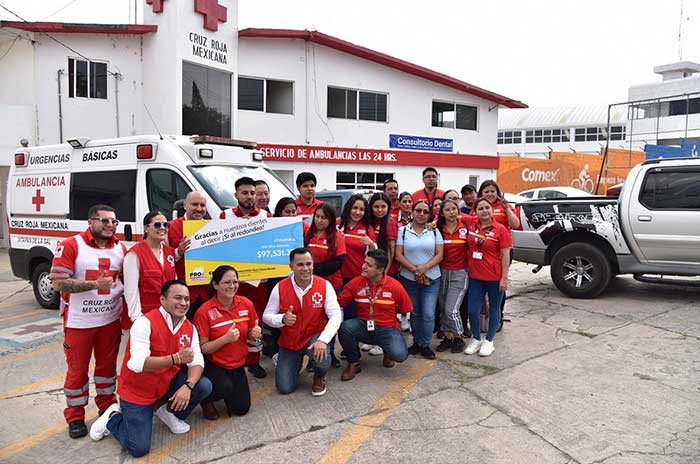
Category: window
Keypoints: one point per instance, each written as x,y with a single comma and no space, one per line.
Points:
665,189
550,194
266,95
527,194
474,180
87,79
454,115
509,137
165,187
206,101
580,135
345,104
617,133
114,188
361,180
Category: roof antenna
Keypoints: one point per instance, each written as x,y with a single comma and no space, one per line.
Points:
680,35
153,121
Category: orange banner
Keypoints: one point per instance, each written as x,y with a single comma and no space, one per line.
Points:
576,170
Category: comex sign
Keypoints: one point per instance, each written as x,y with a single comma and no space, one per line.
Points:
536,175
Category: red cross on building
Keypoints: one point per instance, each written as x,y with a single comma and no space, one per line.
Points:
38,200
212,11
102,266
157,5
28,329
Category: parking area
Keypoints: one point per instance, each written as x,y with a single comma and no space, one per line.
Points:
613,380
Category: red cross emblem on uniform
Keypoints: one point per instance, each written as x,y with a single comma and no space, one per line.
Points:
317,298
102,266
212,11
38,200
157,5
185,340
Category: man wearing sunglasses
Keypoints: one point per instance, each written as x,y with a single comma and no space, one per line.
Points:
87,269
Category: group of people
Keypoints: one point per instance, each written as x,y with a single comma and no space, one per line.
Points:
392,263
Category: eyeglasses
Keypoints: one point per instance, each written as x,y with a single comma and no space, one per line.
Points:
157,225
106,221
228,283
422,211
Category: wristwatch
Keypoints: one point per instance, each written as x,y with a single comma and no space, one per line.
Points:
189,385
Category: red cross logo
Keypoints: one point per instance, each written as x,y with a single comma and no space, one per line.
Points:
102,266
212,11
185,340
157,5
38,200
317,298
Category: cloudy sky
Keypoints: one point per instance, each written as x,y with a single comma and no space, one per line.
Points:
542,52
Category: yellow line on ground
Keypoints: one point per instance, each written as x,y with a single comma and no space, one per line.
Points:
27,314
29,442
20,356
359,433
168,449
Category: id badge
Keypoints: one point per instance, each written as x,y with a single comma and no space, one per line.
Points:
477,255
370,326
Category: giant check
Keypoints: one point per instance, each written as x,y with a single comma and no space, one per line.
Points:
258,248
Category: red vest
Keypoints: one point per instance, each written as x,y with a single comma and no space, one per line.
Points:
311,315
145,388
152,275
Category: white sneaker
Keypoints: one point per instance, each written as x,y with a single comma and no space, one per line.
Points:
98,430
473,346
274,359
405,324
364,346
175,425
486,348
376,350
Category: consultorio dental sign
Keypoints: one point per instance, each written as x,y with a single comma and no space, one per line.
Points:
414,142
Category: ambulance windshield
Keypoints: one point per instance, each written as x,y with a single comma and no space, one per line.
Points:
218,182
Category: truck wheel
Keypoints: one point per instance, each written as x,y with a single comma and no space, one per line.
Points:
44,293
580,270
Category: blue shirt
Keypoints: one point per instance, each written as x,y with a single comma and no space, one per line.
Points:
419,249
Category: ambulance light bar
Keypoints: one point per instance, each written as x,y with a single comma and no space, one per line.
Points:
78,142
21,159
197,139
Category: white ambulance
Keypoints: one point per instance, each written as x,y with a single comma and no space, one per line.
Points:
51,188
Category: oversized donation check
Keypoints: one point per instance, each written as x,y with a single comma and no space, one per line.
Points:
258,248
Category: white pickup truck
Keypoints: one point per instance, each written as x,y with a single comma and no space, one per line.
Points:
653,228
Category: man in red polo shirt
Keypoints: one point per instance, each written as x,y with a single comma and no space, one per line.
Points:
195,209
306,201
391,188
86,270
378,299
245,195
429,190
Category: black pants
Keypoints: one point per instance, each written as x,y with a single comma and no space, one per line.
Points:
230,385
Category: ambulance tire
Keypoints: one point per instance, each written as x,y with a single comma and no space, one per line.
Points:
44,293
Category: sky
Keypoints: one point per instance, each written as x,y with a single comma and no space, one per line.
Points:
541,52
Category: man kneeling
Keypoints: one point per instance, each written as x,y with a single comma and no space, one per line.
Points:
378,299
162,372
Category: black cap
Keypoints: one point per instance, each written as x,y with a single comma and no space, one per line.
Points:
468,187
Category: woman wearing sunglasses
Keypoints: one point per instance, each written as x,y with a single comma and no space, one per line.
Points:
223,324
147,266
419,252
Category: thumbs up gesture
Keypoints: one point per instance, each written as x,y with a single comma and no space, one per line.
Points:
289,317
233,334
103,282
255,332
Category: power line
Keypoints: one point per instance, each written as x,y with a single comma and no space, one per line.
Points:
59,10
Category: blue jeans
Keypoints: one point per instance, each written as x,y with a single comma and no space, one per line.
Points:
477,290
390,339
349,312
289,364
133,426
424,300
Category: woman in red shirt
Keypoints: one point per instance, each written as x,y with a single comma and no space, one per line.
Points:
503,213
223,324
386,230
405,208
489,260
359,237
453,285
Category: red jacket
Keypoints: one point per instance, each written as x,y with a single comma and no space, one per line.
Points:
311,317
152,275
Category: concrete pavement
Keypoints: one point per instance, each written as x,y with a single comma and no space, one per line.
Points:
614,380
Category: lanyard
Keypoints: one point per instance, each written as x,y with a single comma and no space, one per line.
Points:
372,299
480,241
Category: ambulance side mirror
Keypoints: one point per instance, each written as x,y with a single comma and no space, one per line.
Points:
128,235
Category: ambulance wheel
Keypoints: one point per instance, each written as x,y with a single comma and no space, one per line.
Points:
43,290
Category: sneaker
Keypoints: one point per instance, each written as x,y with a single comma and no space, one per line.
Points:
473,346
318,388
457,345
486,349
274,359
444,345
258,371
376,350
175,425
77,429
405,324
99,428
427,353
414,349
364,346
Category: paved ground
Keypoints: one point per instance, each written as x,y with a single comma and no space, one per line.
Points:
614,380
